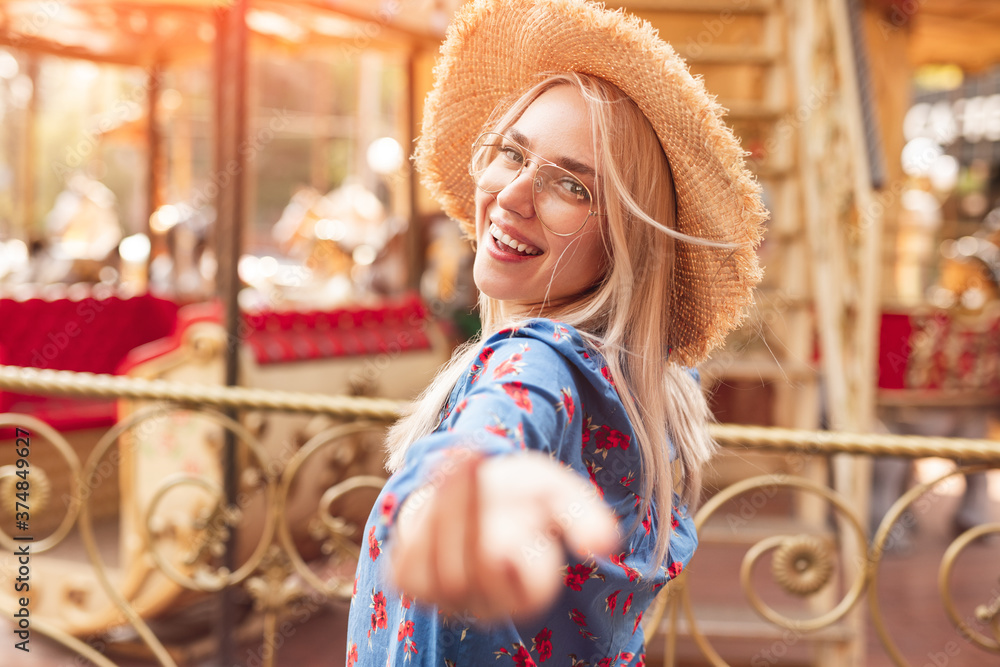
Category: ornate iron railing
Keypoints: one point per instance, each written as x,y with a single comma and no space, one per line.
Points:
275,574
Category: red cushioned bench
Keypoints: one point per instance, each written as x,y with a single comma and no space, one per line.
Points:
89,335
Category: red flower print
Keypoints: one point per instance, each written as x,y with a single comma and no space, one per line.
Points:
611,601
638,619
578,617
352,655
355,591
592,469
642,660
409,648
497,427
625,657
647,523
405,630
373,544
627,605
675,568
608,438
560,333
542,644
605,662
519,393
464,403
513,364
379,618
628,479
619,560
405,601
388,507
567,403
674,521
482,362
577,574
522,658
606,372
519,435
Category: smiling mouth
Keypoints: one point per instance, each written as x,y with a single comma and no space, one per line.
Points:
507,244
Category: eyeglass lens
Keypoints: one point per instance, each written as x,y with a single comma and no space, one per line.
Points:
562,202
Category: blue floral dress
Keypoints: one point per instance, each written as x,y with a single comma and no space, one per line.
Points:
535,387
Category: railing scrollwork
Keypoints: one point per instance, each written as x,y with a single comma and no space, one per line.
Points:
277,575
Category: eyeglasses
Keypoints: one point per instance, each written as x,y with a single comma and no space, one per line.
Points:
563,204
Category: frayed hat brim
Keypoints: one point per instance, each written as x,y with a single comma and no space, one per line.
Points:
496,48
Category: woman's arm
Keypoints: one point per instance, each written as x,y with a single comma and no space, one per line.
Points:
490,499
490,537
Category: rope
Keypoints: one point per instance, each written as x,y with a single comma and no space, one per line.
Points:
730,436
965,450
92,385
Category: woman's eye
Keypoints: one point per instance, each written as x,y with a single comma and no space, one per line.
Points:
575,189
511,154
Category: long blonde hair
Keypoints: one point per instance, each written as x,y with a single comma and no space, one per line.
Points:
624,315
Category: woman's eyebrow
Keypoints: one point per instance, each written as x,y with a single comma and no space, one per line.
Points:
567,163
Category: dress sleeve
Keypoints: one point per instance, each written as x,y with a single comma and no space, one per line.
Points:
520,393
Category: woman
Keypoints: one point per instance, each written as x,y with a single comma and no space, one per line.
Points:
532,513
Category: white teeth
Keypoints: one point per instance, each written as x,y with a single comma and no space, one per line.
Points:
505,239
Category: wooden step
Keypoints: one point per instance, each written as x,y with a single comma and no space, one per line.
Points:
770,370
728,54
739,530
750,110
769,172
743,623
699,7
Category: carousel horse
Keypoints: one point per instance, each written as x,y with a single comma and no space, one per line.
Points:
347,241
82,231
953,349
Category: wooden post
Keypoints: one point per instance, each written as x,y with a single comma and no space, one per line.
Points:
154,181
228,180
27,163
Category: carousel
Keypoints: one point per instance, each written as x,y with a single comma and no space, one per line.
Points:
187,228
228,203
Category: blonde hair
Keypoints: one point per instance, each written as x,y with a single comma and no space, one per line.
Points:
616,315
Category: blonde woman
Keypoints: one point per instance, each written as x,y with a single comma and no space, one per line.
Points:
540,489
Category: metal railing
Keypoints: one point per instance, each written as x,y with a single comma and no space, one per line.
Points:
276,575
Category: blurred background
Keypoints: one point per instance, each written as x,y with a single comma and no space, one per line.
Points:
221,193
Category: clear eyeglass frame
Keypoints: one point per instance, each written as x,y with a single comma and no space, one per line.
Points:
545,179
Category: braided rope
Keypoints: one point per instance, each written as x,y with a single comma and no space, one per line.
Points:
731,436
68,383
966,450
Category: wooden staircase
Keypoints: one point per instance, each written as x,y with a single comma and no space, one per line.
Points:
787,71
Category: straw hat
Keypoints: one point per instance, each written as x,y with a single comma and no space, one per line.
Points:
496,48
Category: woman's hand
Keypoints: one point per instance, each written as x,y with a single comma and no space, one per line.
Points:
490,535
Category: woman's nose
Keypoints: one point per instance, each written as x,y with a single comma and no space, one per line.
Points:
518,195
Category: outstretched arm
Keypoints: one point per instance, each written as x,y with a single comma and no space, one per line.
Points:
490,536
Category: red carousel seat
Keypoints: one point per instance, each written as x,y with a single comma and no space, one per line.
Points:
933,356
88,335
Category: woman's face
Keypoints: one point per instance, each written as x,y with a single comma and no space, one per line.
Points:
555,127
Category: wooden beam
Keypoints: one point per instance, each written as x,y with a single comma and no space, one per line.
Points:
697,6
43,46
